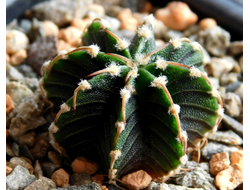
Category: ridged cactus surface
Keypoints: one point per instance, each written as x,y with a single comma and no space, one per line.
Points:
130,105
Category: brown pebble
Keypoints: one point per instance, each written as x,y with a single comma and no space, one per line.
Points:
219,162
60,177
18,57
8,170
71,35
237,157
39,151
80,23
98,178
207,23
62,45
24,162
230,177
82,164
128,22
176,15
9,104
50,28
55,158
136,180
28,139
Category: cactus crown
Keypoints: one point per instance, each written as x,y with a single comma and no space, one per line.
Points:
130,106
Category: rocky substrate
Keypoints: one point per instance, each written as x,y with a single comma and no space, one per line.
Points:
52,26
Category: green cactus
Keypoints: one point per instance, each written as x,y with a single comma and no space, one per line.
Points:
130,106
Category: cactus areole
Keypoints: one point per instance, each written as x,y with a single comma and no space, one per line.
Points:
129,105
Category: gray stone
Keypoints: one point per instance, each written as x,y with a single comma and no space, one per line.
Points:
61,12
197,177
114,23
159,29
164,186
219,66
215,40
18,92
91,186
228,78
25,25
29,116
228,137
80,178
191,30
213,147
26,70
232,104
41,184
19,178
15,148
233,86
12,74
232,124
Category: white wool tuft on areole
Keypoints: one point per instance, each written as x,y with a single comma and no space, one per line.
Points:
94,50
159,82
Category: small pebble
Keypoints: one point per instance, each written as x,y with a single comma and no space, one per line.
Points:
128,22
159,29
207,23
15,148
60,177
80,178
18,92
82,164
9,104
218,66
97,8
236,48
215,82
237,157
228,137
49,168
241,63
39,151
12,74
233,86
227,78
176,15
147,7
215,40
239,91
62,45
41,184
230,177
91,186
199,177
234,125
60,12
28,139
50,28
15,41
71,35
98,178
232,104
19,178
136,180
219,162
18,57
115,24
24,162
9,150
164,186
213,147
172,34
80,23
55,158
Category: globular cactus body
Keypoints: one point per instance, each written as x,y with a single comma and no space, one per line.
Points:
130,106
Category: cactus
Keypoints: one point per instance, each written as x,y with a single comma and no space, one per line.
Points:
129,105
